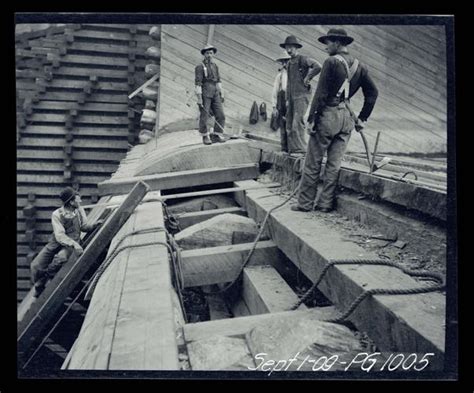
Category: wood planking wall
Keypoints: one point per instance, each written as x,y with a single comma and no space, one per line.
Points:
408,64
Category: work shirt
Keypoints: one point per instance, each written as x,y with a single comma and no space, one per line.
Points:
279,84
207,76
331,79
300,67
67,225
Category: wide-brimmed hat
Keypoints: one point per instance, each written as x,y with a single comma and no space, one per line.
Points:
291,40
284,56
67,194
207,47
336,34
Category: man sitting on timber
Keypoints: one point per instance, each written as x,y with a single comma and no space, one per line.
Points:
301,69
210,96
68,222
341,77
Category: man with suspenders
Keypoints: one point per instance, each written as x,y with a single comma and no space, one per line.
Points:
210,95
333,120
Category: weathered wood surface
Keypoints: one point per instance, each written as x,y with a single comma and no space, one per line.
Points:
130,323
411,77
221,264
238,327
72,272
265,291
180,179
184,151
396,323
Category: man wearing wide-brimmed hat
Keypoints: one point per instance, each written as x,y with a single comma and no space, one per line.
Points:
279,98
301,69
210,96
333,119
68,222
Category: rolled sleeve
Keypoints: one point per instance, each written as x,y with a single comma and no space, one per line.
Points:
314,67
85,226
60,232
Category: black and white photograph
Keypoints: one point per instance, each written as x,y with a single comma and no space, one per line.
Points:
238,196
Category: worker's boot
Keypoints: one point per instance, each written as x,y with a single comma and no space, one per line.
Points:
216,137
206,140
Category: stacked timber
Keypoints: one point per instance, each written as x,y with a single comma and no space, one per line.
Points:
149,118
74,120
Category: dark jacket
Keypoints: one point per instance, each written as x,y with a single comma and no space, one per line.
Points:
208,83
331,79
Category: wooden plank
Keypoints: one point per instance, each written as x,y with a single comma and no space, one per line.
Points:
222,264
83,118
180,179
265,291
92,155
86,108
71,273
237,327
403,323
74,96
82,142
79,130
188,219
34,166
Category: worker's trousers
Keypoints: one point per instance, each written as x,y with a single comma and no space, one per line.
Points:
212,105
48,262
332,133
295,125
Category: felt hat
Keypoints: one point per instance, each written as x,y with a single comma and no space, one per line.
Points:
336,34
291,40
207,47
67,194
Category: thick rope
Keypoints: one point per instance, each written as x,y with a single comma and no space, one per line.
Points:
377,291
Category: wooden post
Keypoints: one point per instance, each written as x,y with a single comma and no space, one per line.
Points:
210,34
70,275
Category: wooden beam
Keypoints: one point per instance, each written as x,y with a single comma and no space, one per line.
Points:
239,326
265,291
196,194
214,265
188,219
146,84
402,323
41,312
173,180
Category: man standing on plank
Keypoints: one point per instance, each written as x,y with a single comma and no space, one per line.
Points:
301,69
210,95
68,222
341,77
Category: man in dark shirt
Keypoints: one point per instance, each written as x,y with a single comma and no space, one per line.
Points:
208,89
341,77
301,69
